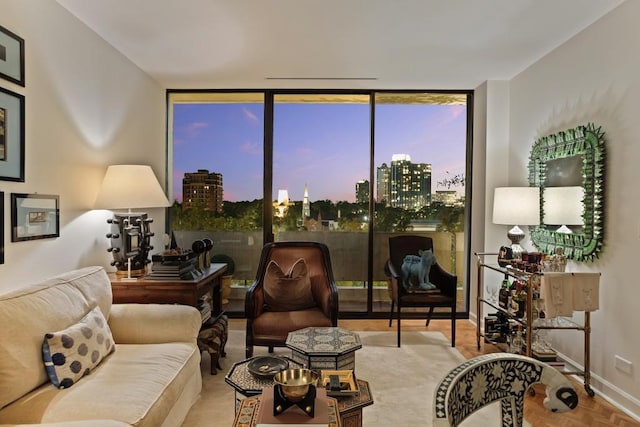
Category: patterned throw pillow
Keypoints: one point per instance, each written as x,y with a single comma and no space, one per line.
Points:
288,291
72,353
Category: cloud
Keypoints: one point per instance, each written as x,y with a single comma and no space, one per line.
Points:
251,148
304,153
457,110
193,129
250,116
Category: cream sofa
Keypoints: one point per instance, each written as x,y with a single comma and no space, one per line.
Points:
151,379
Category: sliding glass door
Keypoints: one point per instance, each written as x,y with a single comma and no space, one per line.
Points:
347,168
321,151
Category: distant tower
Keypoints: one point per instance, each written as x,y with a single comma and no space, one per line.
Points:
282,204
306,207
383,185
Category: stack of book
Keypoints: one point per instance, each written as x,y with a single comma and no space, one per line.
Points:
175,266
204,305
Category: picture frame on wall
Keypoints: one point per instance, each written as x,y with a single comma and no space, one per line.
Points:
1,227
34,216
11,136
11,56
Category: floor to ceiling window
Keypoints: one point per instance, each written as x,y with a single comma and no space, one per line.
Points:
216,145
321,151
419,178
347,168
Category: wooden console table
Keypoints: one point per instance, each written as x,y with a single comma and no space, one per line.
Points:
171,291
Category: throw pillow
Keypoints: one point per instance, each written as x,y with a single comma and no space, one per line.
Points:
288,291
72,353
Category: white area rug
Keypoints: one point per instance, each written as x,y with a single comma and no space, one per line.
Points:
402,380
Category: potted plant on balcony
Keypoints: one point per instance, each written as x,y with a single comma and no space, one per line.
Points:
225,280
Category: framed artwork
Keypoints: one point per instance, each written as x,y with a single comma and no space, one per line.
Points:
1,227
11,57
11,136
34,216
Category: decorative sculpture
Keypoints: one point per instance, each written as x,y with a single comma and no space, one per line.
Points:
418,268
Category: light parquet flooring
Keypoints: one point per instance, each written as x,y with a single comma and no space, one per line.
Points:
591,412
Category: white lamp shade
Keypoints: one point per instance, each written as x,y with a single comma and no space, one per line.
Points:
563,205
516,206
130,187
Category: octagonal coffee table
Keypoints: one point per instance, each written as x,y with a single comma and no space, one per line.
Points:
245,383
324,348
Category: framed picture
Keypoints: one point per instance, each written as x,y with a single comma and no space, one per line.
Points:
11,136
11,57
1,227
34,216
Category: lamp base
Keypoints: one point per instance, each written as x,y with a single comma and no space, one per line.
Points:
134,273
130,239
516,235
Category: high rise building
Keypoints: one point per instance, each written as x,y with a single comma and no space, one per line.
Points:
202,189
383,184
362,191
410,183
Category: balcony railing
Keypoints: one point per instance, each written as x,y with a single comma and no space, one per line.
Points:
348,251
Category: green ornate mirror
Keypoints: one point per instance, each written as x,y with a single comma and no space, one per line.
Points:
575,157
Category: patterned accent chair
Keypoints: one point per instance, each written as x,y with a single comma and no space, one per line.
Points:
503,377
444,294
269,327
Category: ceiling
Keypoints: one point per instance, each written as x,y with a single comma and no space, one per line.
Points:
375,44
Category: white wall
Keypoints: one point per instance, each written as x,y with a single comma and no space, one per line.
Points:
87,106
595,77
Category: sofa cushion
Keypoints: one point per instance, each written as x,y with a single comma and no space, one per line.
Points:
29,312
73,352
288,291
138,384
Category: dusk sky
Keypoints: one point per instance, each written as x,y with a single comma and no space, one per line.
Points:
325,146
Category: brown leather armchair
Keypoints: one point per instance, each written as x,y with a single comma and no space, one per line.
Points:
444,294
270,328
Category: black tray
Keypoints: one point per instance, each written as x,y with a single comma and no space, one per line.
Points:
267,366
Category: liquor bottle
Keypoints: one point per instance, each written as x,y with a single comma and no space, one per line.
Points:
517,342
504,296
519,299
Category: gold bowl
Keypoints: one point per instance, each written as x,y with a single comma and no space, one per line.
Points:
295,382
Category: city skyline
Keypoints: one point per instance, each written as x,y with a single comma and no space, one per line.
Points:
329,159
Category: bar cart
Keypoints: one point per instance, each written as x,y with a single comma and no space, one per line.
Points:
528,321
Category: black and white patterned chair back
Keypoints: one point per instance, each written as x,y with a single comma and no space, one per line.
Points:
503,377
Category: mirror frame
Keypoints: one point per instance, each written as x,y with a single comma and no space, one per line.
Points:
588,142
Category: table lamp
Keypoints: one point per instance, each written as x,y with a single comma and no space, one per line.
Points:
130,187
516,206
563,206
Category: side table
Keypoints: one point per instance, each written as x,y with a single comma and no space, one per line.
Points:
245,383
320,348
350,407
171,291
247,414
